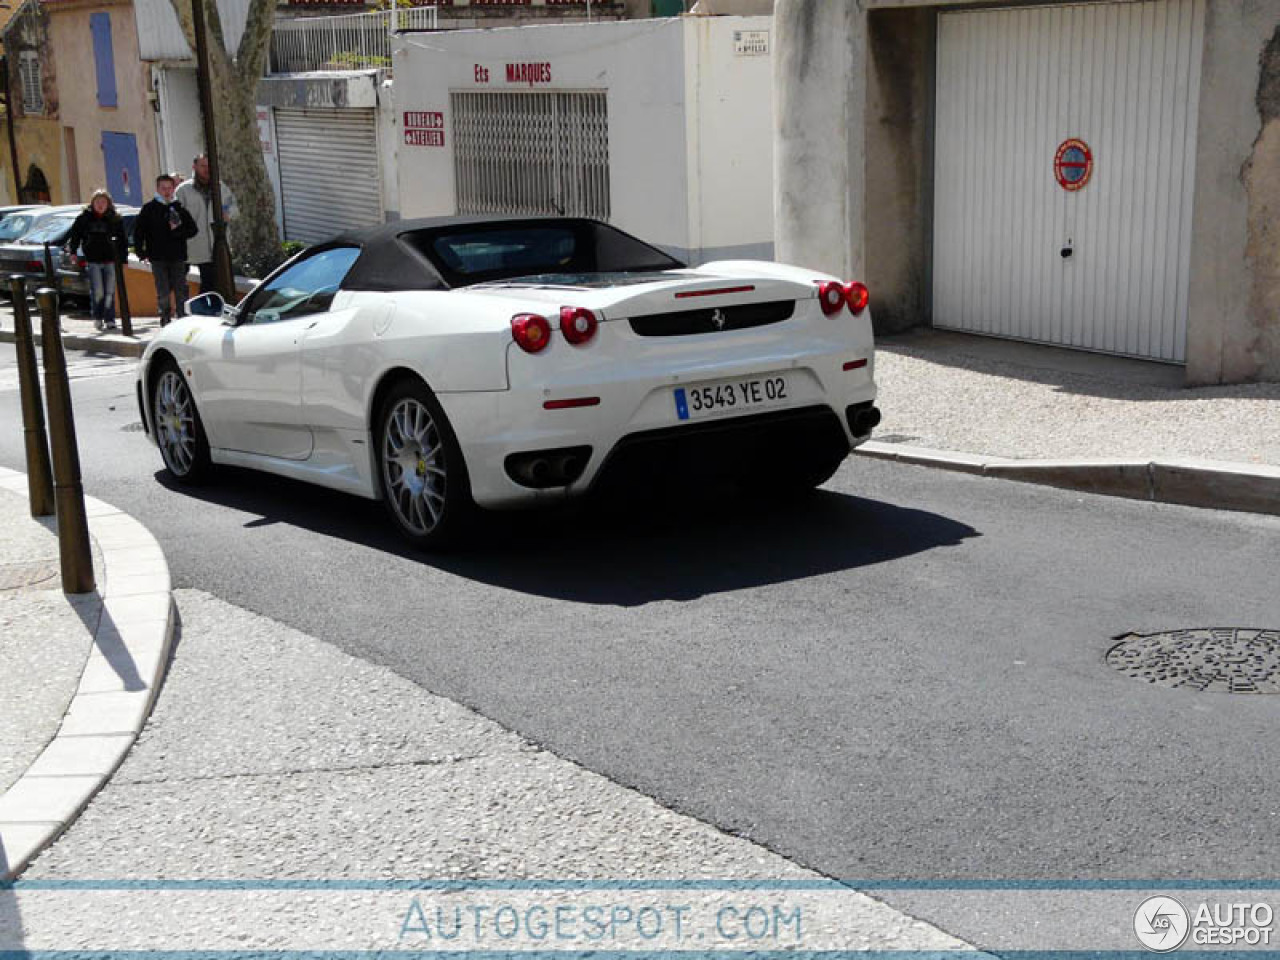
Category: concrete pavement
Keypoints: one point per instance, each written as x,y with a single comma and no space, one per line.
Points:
78,672
1081,421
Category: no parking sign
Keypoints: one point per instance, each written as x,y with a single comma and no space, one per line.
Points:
1073,165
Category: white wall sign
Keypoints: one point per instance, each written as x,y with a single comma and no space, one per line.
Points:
751,43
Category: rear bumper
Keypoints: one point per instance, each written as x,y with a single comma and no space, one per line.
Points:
710,454
626,440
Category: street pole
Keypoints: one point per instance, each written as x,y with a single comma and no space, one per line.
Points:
223,279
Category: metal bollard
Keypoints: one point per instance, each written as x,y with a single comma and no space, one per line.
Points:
122,292
73,527
39,477
49,276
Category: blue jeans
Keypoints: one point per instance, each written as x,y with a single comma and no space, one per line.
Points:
102,291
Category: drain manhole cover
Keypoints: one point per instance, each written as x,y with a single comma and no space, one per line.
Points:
1218,660
16,575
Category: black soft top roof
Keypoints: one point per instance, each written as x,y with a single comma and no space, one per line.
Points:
393,255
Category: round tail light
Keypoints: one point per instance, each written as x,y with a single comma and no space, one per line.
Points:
531,332
857,294
578,324
831,296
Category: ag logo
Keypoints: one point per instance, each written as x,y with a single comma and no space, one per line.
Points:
1161,924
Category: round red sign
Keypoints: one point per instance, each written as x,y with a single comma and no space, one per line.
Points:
1073,165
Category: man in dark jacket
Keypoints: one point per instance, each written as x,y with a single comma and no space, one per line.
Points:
101,232
160,235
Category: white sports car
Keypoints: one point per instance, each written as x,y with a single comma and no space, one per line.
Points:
440,365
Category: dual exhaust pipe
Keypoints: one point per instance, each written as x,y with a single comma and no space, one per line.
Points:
542,469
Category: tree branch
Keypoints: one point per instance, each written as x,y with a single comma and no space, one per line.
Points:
217,40
182,8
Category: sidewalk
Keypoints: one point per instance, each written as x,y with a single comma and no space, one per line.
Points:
78,332
78,672
1077,420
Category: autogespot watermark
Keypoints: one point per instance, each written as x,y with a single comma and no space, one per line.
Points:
514,925
1163,924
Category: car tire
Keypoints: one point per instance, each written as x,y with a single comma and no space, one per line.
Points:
805,476
423,476
179,431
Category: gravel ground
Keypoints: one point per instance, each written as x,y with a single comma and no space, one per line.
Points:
45,637
983,396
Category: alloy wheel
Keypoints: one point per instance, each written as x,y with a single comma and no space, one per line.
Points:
175,423
413,466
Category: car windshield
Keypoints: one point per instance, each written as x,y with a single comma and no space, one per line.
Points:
51,231
470,254
16,224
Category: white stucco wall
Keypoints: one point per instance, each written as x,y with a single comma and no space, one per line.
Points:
690,125
729,98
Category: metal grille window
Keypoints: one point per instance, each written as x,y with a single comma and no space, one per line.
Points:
539,152
32,83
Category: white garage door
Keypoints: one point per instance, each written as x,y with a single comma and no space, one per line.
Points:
1019,252
330,176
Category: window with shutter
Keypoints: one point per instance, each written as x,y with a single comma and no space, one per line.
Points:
539,152
32,87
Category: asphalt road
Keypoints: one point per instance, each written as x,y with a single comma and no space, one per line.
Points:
901,677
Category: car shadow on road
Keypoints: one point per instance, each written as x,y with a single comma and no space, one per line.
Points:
621,551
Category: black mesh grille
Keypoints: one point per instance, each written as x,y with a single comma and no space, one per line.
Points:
738,317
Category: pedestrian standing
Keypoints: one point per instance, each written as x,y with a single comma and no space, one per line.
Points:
160,235
99,230
197,196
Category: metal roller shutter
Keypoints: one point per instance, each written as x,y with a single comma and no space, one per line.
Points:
1013,87
330,175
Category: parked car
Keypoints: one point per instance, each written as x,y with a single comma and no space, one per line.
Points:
16,254
444,364
26,255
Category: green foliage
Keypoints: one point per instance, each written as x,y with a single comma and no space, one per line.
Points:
350,60
259,267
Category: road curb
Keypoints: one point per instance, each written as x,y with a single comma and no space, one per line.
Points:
116,344
117,688
1214,484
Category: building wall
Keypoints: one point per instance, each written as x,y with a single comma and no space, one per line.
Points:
72,43
640,63
40,143
1234,326
853,148
899,168
38,137
689,121
729,122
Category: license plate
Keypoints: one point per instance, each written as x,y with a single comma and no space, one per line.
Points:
714,398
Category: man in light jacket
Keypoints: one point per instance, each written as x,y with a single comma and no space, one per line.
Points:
197,197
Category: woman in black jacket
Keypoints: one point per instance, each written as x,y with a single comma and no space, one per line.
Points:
100,231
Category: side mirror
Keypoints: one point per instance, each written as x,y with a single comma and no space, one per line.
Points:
206,305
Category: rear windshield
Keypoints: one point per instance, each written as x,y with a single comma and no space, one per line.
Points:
52,231
479,253
16,224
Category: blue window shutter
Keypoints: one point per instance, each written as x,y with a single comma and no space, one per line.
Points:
104,58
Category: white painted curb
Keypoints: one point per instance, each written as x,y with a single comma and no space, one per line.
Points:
117,689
